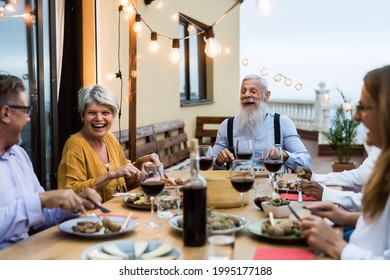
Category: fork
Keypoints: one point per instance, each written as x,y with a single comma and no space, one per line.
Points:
96,216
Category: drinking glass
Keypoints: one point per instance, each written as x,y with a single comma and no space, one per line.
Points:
205,157
152,183
273,161
242,177
244,149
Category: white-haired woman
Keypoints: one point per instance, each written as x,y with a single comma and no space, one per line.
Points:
92,157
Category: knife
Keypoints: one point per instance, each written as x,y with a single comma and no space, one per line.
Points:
294,213
101,208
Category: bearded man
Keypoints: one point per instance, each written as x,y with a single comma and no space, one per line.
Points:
254,121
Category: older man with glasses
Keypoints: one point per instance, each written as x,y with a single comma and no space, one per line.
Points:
23,202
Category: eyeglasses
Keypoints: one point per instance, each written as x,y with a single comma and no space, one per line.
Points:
27,109
360,108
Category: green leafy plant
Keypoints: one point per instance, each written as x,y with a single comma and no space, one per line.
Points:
342,131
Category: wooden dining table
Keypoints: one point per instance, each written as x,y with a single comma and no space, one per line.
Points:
55,244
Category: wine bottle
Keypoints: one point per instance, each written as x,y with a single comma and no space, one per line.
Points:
194,202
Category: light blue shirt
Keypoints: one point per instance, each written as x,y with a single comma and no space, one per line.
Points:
20,205
263,138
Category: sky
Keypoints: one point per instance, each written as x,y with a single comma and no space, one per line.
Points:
332,41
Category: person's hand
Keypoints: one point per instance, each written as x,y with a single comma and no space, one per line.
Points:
224,156
147,158
127,170
65,199
308,173
333,212
90,198
322,237
312,189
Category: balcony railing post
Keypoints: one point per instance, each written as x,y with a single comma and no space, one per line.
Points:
322,111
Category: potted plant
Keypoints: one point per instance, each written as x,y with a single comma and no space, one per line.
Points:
342,134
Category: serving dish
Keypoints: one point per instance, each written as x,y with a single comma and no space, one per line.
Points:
67,226
128,248
173,222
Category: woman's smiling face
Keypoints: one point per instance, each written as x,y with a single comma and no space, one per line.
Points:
97,119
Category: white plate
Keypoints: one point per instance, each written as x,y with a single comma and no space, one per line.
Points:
244,223
67,226
127,246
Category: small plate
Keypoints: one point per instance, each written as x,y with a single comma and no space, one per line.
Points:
244,223
67,226
137,206
127,246
255,228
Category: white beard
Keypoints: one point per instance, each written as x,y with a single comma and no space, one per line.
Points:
249,121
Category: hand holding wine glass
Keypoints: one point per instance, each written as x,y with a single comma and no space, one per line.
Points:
205,157
244,149
242,177
152,183
273,161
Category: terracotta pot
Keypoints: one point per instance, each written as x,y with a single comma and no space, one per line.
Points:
338,167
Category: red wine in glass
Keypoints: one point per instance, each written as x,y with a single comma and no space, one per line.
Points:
205,163
244,155
152,188
273,165
242,184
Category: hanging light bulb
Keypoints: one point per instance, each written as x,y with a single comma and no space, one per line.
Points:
326,97
191,28
244,62
154,46
264,7
128,12
159,5
174,55
175,17
123,2
298,86
277,77
111,76
288,82
137,27
213,48
264,72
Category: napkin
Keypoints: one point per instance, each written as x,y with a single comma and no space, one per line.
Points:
294,196
265,253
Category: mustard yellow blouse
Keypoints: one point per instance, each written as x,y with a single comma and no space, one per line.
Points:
80,166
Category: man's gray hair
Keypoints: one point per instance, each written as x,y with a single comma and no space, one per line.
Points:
262,81
100,95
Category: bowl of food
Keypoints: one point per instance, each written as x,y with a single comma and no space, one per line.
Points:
277,206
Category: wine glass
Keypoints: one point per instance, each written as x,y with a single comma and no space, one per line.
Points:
273,161
152,183
242,177
205,157
244,149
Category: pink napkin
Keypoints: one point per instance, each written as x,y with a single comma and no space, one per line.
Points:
294,197
265,253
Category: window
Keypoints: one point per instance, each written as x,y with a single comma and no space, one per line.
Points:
192,66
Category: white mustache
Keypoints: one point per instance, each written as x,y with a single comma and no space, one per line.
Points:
249,100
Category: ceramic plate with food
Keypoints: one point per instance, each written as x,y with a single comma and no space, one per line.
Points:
284,186
238,223
138,201
292,233
132,250
91,227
